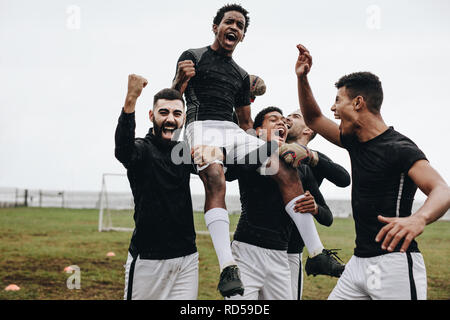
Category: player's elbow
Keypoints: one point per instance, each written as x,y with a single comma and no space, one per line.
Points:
328,222
327,217
446,194
344,181
122,155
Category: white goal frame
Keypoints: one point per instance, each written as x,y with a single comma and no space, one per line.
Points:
103,210
103,198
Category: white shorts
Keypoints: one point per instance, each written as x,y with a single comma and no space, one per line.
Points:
171,279
224,134
295,265
392,276
264,272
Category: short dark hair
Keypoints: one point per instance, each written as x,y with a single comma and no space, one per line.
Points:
363,84
168,94
259,119
232,7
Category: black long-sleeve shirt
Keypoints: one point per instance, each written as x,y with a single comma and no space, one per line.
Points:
333,172
164,226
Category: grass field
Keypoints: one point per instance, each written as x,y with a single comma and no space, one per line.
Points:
36,244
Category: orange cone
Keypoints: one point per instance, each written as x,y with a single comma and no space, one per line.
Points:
68,269
110,254
12,287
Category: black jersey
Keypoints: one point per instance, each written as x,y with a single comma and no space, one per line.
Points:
263,221
324,215
218,87
164,226
381,185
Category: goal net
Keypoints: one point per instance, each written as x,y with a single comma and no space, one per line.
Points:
116,204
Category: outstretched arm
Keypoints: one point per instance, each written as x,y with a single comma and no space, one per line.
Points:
310,109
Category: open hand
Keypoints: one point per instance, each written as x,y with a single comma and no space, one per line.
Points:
397,229
304,61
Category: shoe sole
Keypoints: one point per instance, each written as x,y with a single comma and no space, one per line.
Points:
329,275
233,292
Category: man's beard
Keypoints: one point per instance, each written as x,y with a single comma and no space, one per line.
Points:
158,131
292,135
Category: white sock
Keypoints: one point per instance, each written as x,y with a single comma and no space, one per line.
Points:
306,227
218,224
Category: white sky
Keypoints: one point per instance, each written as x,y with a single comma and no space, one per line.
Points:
62,88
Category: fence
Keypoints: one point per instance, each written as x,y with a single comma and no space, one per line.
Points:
14,197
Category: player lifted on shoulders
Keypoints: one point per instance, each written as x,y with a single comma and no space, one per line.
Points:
214,85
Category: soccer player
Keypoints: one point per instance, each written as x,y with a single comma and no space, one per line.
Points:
163,259
263,231
214,85
387,168
313,202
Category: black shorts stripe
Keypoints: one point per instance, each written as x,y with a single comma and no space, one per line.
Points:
412,283
300,271
130,279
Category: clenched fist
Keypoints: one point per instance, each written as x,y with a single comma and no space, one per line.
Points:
135,85
186,70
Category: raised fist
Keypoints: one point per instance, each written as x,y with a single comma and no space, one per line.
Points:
186,70
135,85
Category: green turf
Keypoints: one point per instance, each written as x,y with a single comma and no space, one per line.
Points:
36,244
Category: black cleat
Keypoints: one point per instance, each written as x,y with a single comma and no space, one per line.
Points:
230,283
325,263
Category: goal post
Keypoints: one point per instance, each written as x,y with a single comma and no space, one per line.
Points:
115,203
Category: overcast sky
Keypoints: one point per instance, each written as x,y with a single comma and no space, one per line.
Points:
64,67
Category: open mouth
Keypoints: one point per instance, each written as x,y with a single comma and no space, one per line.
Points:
231,37
281,132
169,129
